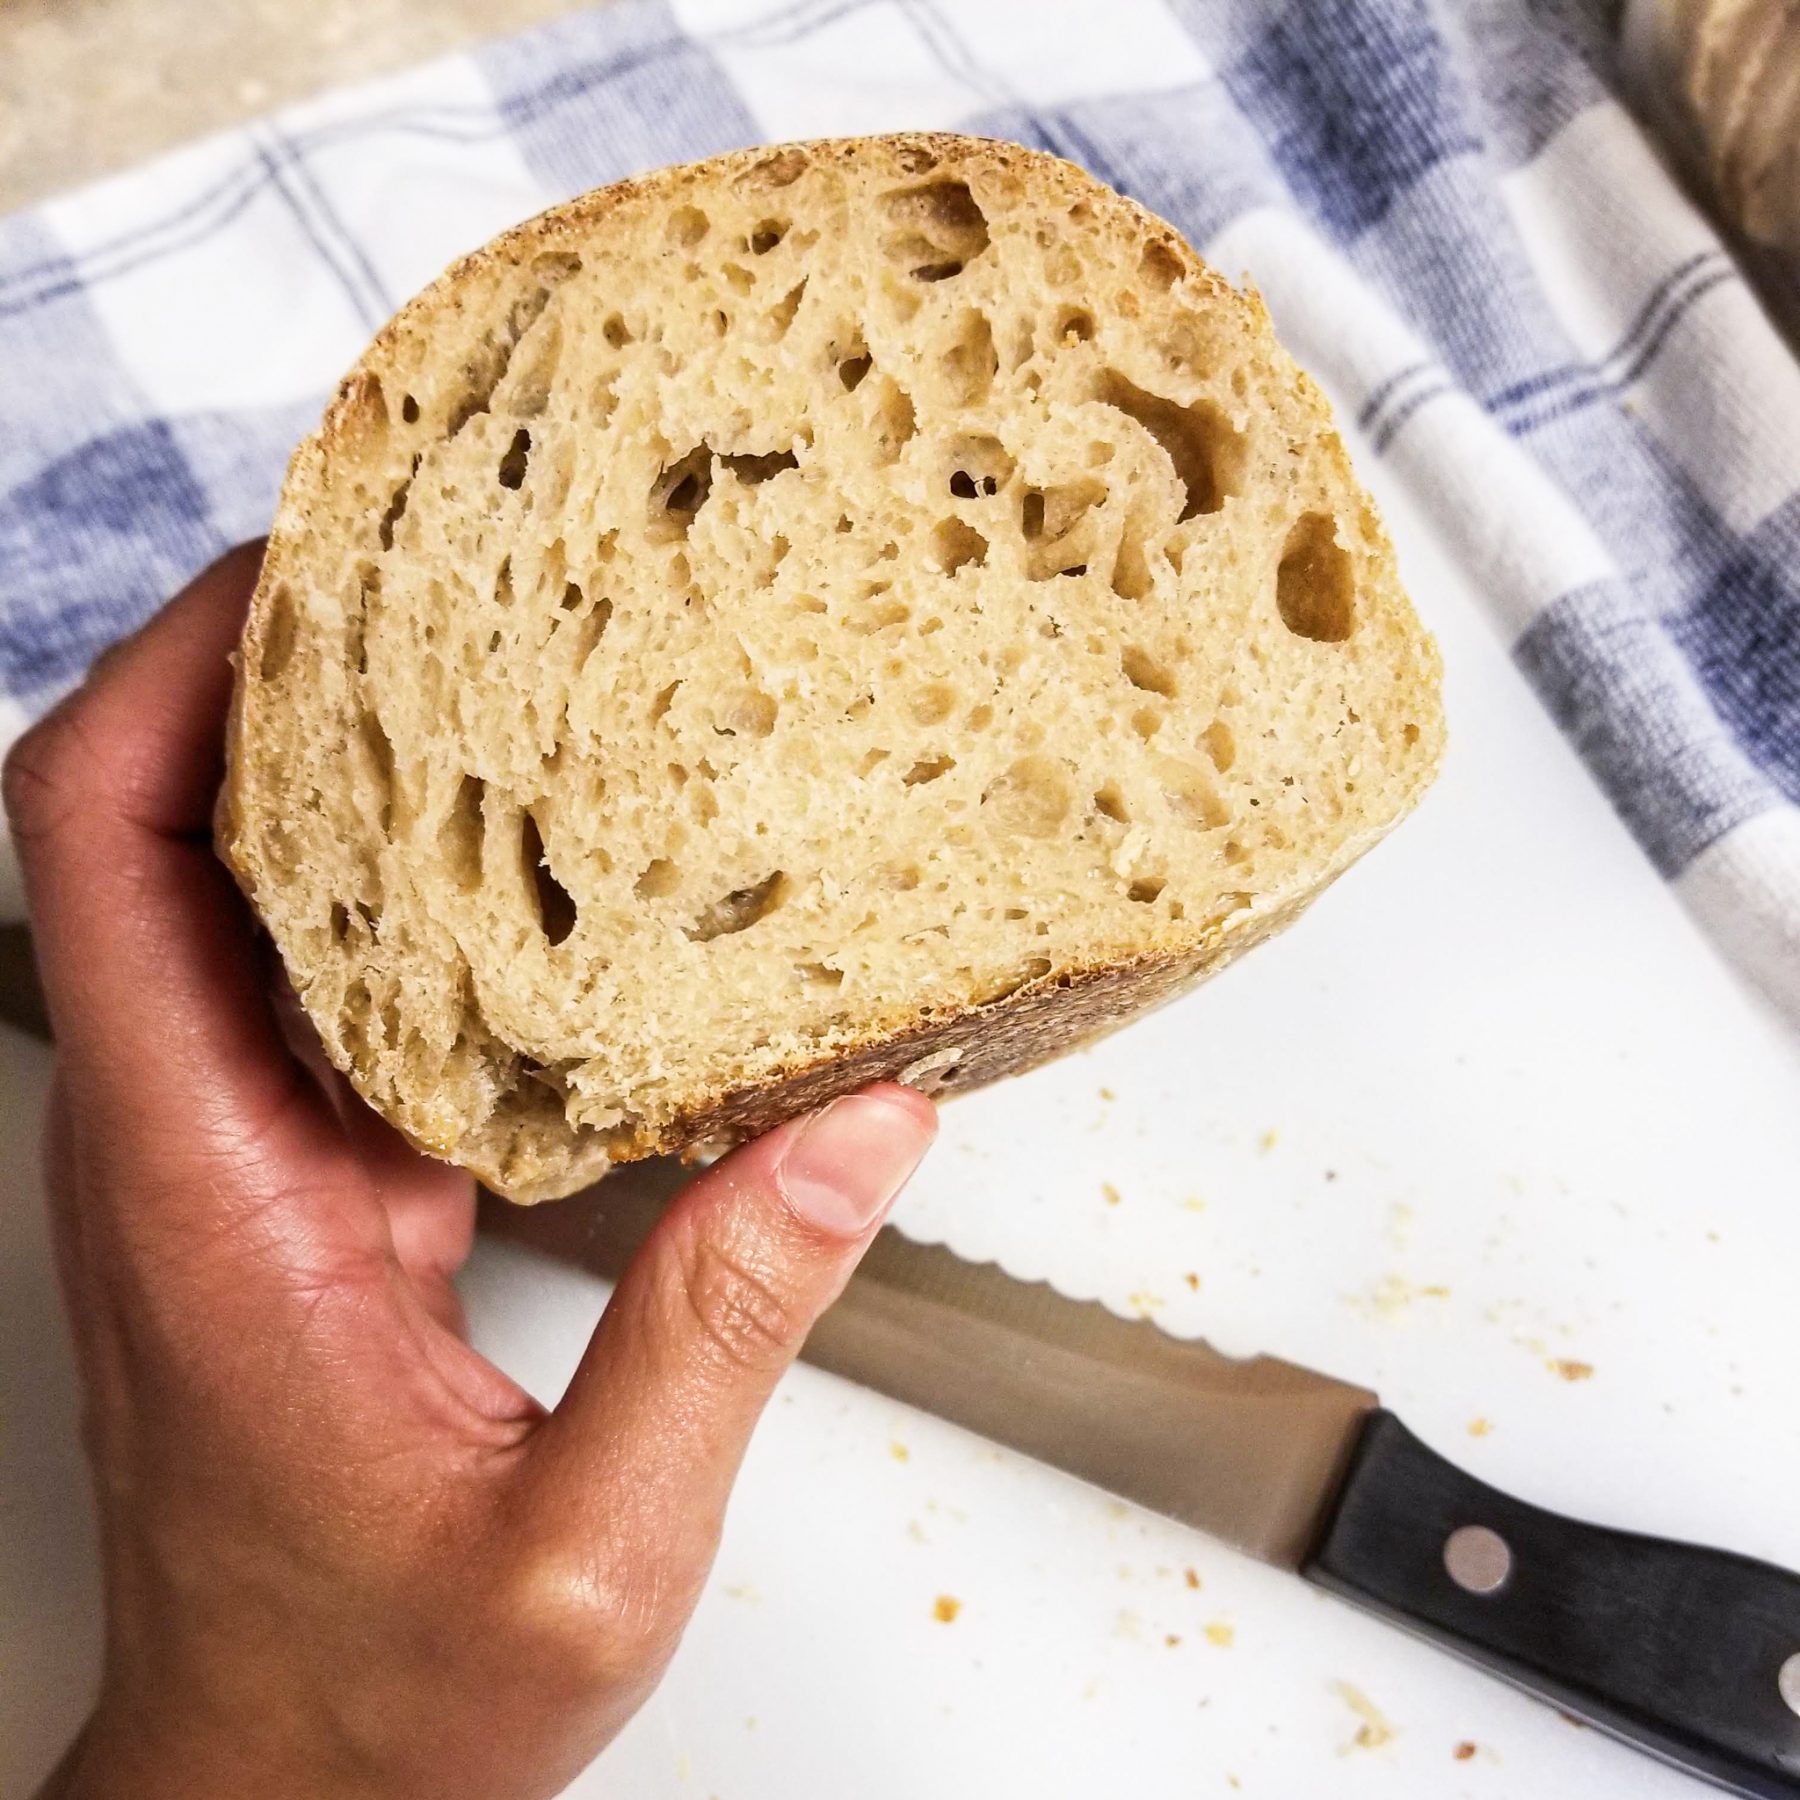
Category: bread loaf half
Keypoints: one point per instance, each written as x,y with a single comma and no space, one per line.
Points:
879,608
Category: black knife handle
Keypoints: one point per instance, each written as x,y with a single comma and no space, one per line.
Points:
1676,1649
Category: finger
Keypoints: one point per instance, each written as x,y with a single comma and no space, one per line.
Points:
647,1441
147,952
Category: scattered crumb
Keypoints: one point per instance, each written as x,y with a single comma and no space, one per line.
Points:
684,1769
1110,1192
1191,1577
1232,1781
945,1608
1372,1730
1399,1225
1436,1291
1117,1509
1568,1718
1193,1281
898,1451
1268,1141
1331,1174
1463,1751
1171,1639
1107,1094
742,1590
916,1532
1570,1368
1144,1304
1480,1427
1094,1689
1193,1203
1712,1237
750,1722
1222,1633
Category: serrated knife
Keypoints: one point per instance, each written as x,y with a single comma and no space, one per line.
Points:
1688,1653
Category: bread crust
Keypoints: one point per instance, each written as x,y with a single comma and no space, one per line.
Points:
526,1149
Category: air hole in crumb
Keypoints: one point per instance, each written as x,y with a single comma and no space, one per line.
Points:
514,463
749,713
956,545
853,368
1409,734
935,229
1208,453
1131,579
397,507
781,168
615,331
660,879
409,410
1235,852
1076,326
738,910
1314,588
1160,265
1109,803
571,596
928,769
932,704
962,485
555,904
1146,889
663,701
459,837
1032,798
980,717
816,974
1221,745
280,633
1192,796
688,225
503,583
895,419
781,314
753,470
971,363
681,489
340,920
1146,722
1147,672
1031,515
767,235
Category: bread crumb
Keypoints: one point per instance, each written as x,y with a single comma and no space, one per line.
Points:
1144,1303
1222,1633
1193,1203
1191,1577
1171,1639
1480,1427
1110,1192
742,1590
1193,1281
1570,1368
1268,1141
945,1609
1463,1751
916,1532
1372,1730
1107,1094
898,1451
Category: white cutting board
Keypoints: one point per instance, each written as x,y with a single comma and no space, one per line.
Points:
1494,1116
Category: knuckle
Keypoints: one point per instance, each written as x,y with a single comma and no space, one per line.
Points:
740,1316
41,780
589,1618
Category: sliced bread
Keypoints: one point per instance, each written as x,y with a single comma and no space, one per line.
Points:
866,609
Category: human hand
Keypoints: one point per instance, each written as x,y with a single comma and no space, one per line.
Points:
343,1554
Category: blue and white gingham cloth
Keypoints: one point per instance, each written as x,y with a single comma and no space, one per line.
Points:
1454,221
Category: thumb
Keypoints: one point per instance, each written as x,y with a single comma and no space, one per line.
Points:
646,1442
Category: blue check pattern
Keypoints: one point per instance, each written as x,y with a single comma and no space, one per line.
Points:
1454,219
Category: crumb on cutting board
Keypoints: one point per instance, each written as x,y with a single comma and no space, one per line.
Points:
1222,1633
898,1451
1373,1729
1480,1427
1192,1280
945,1608
1570,1368
1191,1577
1463,1751
1109,1193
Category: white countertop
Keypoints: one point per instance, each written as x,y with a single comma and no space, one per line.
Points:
1493,1131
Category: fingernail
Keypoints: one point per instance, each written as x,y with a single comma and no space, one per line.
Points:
846,1164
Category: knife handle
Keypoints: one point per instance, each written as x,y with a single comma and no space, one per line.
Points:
1691,1654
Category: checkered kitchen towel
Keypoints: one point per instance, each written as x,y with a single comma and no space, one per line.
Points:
1454,222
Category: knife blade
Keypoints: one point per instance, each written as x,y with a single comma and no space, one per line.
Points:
1688,1653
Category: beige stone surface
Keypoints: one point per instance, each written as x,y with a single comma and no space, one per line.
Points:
89,86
